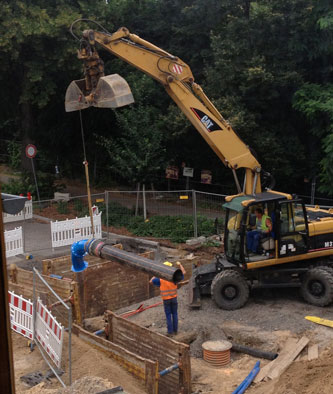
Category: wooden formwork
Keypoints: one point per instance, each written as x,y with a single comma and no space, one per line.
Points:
153,346
142,368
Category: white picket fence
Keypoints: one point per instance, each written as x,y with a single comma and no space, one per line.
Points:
49,333
14,241
26,213
21,315
69,231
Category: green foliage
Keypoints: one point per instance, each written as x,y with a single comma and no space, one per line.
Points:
14,152
176,228
62,207
267,65
211,243
79,207
18,186
25,183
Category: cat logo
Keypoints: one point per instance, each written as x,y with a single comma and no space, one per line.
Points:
206,122
209,124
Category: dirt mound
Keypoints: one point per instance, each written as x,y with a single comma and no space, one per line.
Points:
307,377
85,385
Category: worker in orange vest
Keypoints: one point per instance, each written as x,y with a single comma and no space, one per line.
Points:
169,296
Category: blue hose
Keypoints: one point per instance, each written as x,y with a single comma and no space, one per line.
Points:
248,380
78,252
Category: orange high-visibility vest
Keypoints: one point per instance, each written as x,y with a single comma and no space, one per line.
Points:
168,290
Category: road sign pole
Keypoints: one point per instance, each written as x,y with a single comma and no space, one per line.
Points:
34,172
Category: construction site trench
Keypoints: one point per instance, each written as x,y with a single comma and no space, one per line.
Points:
108,290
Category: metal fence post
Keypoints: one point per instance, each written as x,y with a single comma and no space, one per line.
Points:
107,213
34,303
70,346
144,202
195,218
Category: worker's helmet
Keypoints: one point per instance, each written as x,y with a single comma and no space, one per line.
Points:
168,263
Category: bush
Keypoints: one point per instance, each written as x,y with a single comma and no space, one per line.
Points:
14,152
79,208
62,207
176,228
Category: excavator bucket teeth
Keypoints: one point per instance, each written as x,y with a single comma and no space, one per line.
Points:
112,91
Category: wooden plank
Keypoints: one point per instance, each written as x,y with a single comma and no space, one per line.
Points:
130,361
151,377
291,342
185,370
288,358
313,352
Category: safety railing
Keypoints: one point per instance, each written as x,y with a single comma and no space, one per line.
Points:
13,241
49,310
66,232
21,315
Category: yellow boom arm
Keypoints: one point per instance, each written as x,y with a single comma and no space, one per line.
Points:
177,79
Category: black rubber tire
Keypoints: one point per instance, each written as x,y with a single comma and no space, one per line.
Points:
230,290
317,286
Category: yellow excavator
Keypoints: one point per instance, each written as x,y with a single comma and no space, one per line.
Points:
298,249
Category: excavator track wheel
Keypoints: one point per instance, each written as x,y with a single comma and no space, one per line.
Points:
230,290
317,286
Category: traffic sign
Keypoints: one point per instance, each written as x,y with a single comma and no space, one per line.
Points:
30,151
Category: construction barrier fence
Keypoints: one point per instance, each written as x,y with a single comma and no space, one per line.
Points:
21,315
13,241
53,325
66,232
49,333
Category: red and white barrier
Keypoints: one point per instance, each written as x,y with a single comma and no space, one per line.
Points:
49,333
21,315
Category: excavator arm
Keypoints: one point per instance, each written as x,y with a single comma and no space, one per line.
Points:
178,81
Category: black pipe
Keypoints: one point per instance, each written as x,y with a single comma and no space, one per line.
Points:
253,352
99,248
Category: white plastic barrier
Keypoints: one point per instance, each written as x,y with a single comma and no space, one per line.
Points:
26,213
49,333
21,315
67,231
14,241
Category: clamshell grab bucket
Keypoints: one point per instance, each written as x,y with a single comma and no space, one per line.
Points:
112,91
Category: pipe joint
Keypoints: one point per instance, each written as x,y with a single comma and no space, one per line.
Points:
78,251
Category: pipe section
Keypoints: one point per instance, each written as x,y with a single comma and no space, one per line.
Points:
248,380
99,248
253,352
169,369
78,251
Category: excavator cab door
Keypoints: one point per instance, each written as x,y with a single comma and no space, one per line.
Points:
292,228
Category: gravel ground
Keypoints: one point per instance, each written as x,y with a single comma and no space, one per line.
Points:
269,317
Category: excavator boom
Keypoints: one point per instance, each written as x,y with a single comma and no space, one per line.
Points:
178,81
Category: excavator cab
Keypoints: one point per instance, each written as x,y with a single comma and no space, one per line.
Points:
288,235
